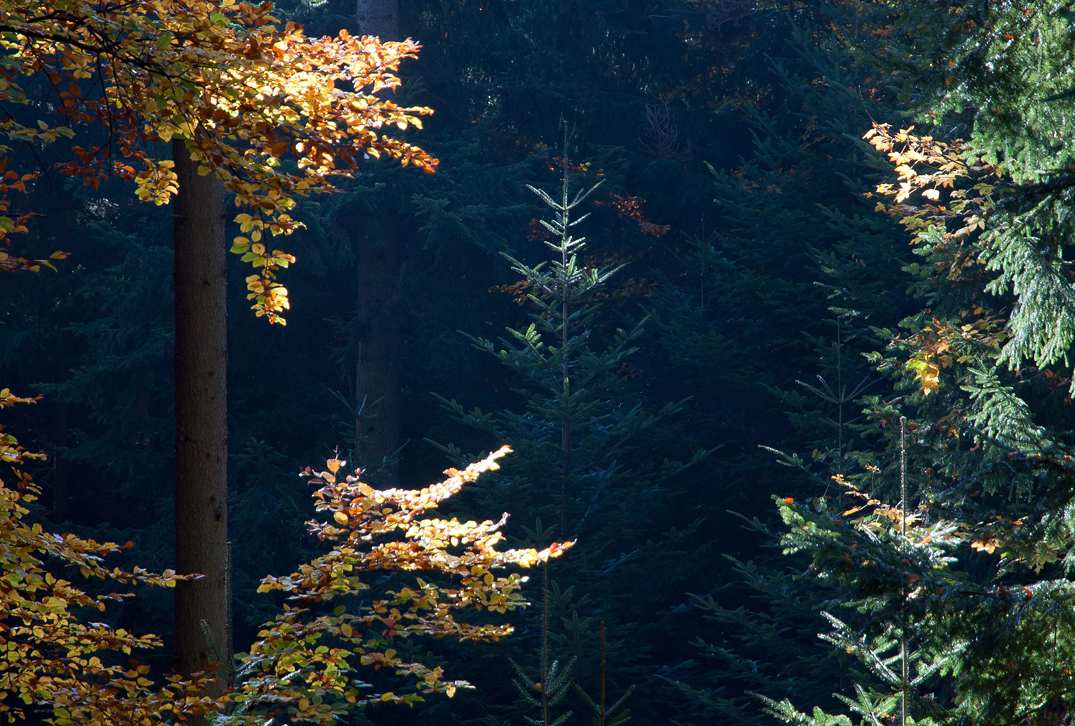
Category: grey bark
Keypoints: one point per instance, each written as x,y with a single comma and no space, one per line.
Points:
377,372
378,17
378,381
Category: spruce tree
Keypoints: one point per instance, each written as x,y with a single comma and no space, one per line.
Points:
971,562
617,462
800,254
574,413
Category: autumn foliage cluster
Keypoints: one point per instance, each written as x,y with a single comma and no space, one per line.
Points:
308,662
241,93
777,259
309,658
51,654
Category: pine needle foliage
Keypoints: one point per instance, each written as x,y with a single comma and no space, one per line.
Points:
579,410
603,714
550,687
798,254
584,406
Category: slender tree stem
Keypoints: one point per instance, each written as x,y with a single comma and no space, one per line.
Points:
565,335
904,671
840,393
545,649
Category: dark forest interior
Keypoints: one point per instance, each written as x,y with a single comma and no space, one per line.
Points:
773,303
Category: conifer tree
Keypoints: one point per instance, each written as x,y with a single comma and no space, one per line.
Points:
616,483
799,254
971,562
572,414
553,354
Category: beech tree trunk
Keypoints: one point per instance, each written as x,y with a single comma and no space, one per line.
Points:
377,376
201,433
378,17
377,372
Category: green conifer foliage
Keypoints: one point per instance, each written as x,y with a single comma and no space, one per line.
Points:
574,363
969,566
552,352
1000,76
575,412
789,285
548,688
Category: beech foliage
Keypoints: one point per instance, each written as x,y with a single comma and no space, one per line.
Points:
307,662
240,91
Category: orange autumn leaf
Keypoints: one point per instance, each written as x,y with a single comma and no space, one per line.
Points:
227,79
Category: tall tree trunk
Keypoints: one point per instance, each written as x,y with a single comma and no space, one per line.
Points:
60,488
378,17
201,433
377,372
378,382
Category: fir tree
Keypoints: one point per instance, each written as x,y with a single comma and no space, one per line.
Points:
574,413
616,481
800,254
972,563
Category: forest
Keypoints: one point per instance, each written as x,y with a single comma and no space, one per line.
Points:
500,363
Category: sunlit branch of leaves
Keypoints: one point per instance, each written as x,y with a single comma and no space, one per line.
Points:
306,661
238,91
308,658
